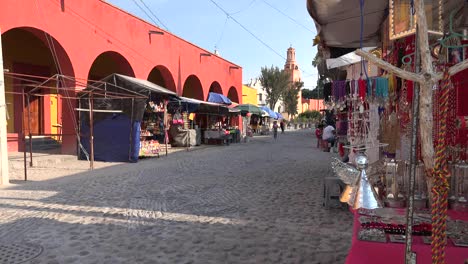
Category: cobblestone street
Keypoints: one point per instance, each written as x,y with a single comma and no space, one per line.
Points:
258,202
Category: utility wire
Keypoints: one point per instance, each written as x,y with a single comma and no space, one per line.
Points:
146,13
228,16
222,31
248,31
242,10
284,14
149,9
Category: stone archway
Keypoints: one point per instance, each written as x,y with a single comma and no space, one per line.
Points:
193,88
161,76
233,95
34,52
107,63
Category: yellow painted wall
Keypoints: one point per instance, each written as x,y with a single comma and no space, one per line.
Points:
249,95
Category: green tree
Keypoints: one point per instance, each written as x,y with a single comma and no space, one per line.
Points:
290,97
307,94
275,82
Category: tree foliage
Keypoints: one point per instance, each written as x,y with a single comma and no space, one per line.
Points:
316,93
275,82
314,115
290,97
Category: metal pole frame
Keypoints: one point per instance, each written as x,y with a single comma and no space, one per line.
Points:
91,131
131,132
410,257
23,137
29,131
165,125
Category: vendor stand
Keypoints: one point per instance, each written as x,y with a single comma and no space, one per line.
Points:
209,120
131,127
250,115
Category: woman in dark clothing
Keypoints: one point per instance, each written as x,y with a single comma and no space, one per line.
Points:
282,126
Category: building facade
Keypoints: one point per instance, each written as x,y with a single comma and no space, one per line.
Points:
90,39
262,95
249,95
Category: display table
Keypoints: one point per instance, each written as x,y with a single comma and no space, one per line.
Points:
365,252
185,137
218,136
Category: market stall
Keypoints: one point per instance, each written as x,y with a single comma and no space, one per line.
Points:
209,120
127,128
267,120
251,116
405,132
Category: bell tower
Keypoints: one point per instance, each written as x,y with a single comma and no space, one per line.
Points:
294,72
291,65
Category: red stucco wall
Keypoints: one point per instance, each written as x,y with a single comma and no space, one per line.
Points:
87,28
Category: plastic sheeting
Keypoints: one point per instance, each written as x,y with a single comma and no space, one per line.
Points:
196,106
218,98
338,22
270,112
115,139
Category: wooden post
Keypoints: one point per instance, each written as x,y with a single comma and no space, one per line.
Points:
91,132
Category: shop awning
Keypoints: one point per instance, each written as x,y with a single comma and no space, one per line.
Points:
249,108
338,22
218,98
270,112
113,83
192,105
137,85
279,116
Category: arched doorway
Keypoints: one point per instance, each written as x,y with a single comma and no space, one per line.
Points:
161,76
34,52
215,87
232,94
193,88
108,63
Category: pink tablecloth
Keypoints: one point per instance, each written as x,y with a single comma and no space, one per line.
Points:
363,252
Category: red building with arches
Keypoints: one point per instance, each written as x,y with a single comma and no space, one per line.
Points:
90,39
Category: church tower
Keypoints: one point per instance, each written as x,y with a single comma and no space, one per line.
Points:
291,65
293,69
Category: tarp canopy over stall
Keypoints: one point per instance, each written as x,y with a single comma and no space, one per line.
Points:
218,98
116,121
338,22
270,112
191,105
249,108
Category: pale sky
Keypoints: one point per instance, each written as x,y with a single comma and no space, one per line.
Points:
279,24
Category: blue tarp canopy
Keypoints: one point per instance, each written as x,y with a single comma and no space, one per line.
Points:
279,116
218,98
270,112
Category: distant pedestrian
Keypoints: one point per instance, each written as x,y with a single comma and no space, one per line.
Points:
275,130
282,126
318,134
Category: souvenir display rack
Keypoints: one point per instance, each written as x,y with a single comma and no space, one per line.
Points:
152,130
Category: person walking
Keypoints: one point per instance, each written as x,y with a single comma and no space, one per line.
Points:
282,126
329,136
275,130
